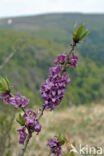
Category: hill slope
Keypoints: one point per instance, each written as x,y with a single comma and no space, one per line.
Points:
58,28
29,68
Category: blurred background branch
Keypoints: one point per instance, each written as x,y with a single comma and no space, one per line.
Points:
11,55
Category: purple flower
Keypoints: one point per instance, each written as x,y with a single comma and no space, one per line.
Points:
31,122
37,127
31,113
53,89
22,134
6,98
55,147
53,142
73,60
19,101
60,59
57,150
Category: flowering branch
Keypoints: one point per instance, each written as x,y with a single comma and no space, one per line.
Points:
29,135
52,92
29,132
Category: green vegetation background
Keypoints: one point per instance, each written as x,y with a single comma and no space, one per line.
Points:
28,69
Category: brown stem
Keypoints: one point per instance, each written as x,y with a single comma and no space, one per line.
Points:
23,110
68,56
72,48
40,113
25,144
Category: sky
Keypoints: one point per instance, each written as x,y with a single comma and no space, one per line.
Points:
33,7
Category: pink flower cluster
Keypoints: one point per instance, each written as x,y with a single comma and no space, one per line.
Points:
23,134
53,89
30,116
53,143
31,123
6,97
73,60
61,58
19,101
16,101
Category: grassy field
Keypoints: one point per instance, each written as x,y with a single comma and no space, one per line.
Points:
83,124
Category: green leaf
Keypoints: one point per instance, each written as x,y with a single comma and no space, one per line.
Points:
65,138
7,81
61,140
79,35
4,84
75,26
79,31
84,34
21,120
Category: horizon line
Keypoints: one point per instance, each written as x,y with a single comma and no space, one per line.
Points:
50,13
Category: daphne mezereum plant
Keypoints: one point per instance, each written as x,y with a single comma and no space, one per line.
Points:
52,92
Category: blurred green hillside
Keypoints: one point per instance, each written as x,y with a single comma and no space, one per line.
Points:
47,35
29,68
59,28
